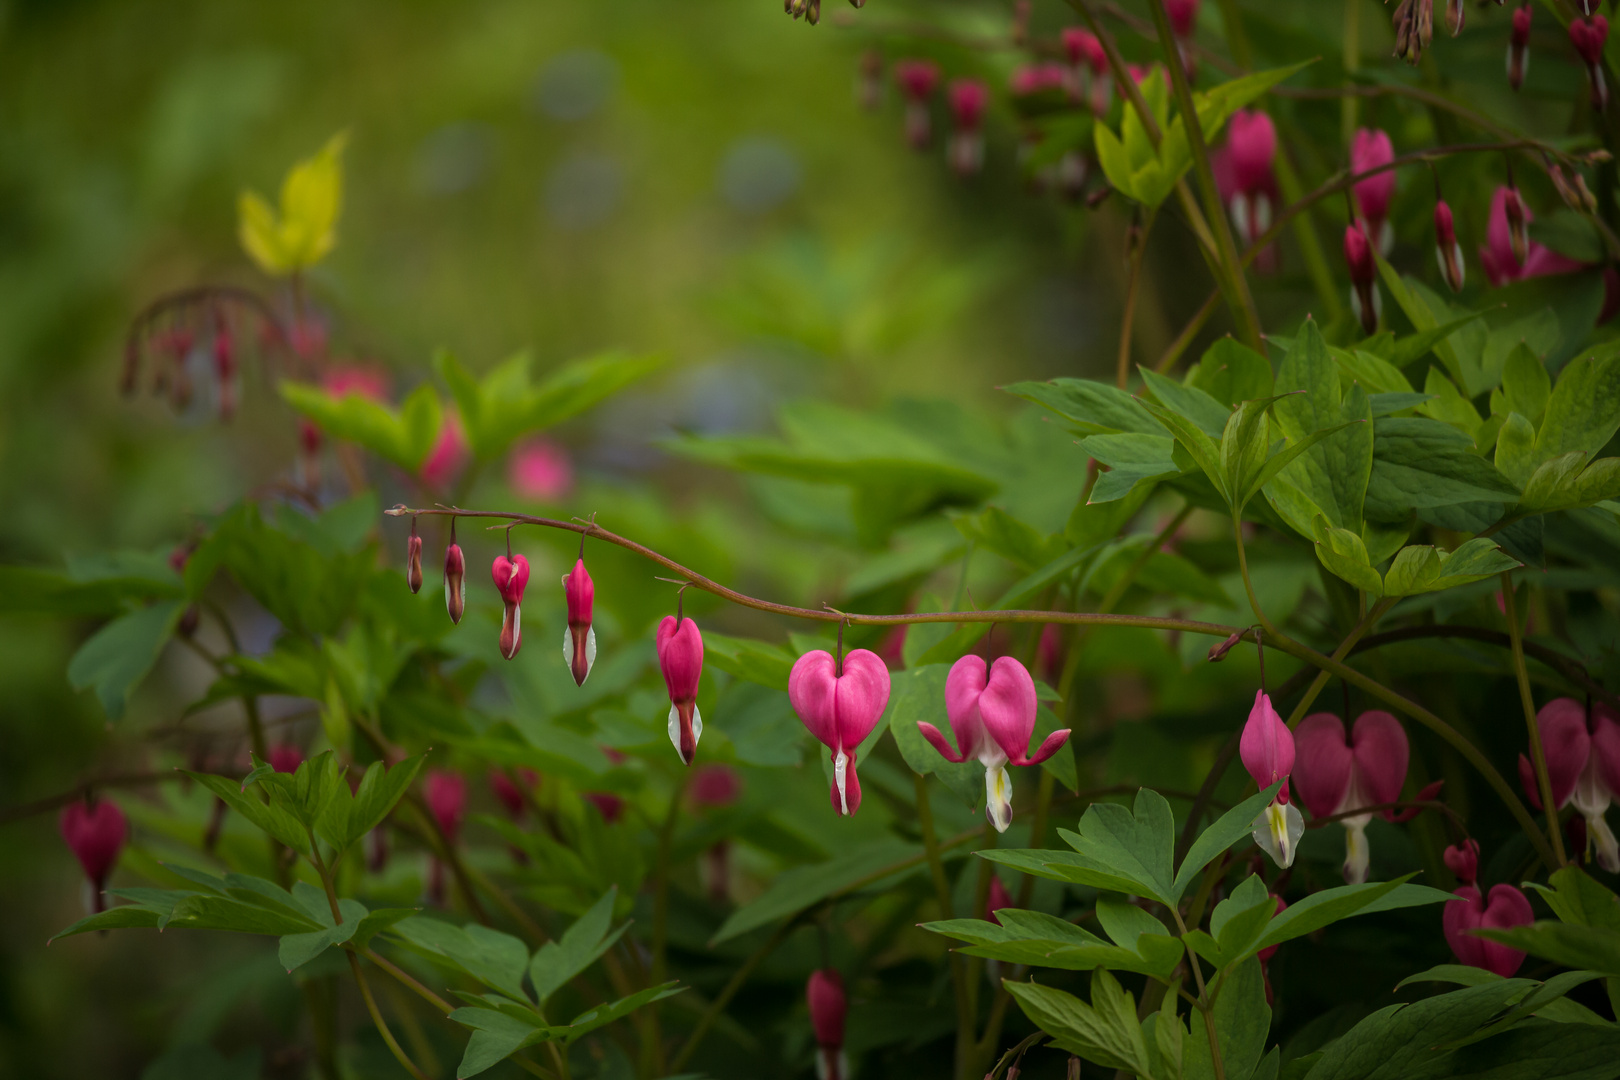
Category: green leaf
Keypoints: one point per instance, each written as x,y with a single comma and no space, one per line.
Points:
270,817
1286,456
496,1037
915,694
1576,897
1561,484
1420,463
1105,1032
1516,456
1115,162
1040,940
404,436
1330,905
1590,947
1245,444
305,230
1230,372
1124,850
347,818
1242,1021
118,656
756,661
1583,411
581,945
1333,473
1393,1041
1093,408
1131,460
1412,348
1526,387
588,1021
1343,552
1227,830
802,886
1569,233
123,917
495,959
296,950
1199,447
1189,402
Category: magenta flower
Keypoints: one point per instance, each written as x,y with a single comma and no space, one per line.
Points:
1518,56
993,720
511,578
579,640
968,98
1369,150
363,380
1447,252
1267,750
1470,911
1034,78
840,704
1583,767
509,794
1589,36
1244,176
540,469
609,805
999,898
285,758
1335,776
918,79
1463,860
825,995
1509,255
447,457
680,655
1365,299
455,578
446,794
715,785
95,833
1183,16
1088,65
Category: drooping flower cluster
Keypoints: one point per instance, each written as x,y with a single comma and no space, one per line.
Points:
1505,907
1245,178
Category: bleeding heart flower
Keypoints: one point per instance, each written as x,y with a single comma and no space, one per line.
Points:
1583,767
446,794
1245,178
715,785
1333,776
540,469
680,655
1365,299
918,80
511,578
455,578
609,805
95,833
825,995
1518,56
999,898
1369,150
1463,860
285,758
968,98
1470,911
1446,249
447,457
1589,36
510,794
579,640
993,720
840,704
1509,254
413,560
1088,63
1267,750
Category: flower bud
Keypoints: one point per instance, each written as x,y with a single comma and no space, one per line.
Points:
1518,55
715,786
95,832
680,656
446,794
508,793
1414,29
1518,221
1463,860
999,898
285,757
413,560
511,578
966,149
1455,16
1446,248
1589,36
917,80
1267,750
455,575
579,640
1364,298
825,995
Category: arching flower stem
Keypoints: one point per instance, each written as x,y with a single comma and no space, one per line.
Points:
1538,754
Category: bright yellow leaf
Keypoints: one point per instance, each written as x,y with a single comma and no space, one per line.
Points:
305,229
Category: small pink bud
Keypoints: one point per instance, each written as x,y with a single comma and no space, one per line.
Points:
1267,749
825,995
413,560
540,469
1463,860
579,640
446,794
455,580
1446,249
95,833
1507,908
1518,221
610,806
1455,16
1183,16
1589,36
1372,149
511,578
999,898
286,757
1518,56
966,151
840,704
1364,296
917,80
680,656
508,793
448,455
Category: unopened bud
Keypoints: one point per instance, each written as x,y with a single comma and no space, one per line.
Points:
579,640
1589,36
511,578
1518,56
1446,248
188,622
1454,16
455,575
1518,225
917,80
413,560
1217,653
1364,297
1561,184
966,151
1588,200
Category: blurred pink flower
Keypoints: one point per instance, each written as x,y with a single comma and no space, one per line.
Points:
1244,177
364,379
1033,78
448,455
1372,149
540,469
1497,253
715,785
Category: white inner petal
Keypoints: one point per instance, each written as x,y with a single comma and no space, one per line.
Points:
1357,854
568,645
1277,830
697,725
590,649
998,797
675,727
1599,834
840,768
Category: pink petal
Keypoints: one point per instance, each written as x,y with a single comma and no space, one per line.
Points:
937,740
1605,730
1460,916
1562,723
860,695
1267,746
680,655
1507,908
810,691
1322,768
1370,149
1049,746
1381,754
1008,706
963,686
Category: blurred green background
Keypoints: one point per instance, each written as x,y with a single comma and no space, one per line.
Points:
695,179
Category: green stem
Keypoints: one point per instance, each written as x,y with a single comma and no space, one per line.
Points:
947,910
1136,248
1374,613
1128,578
1037,828
1203,995
1237,41
1238,298
653,1050
1350,106
1538,754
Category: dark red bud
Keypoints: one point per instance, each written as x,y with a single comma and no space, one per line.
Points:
455,586
413,561
1447,250
1518,225
1363,277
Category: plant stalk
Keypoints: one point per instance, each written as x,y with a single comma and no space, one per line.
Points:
1538,753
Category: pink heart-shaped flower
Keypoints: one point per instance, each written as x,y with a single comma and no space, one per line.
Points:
680,656
992,714
840,708
1507,907
1330,774
1567,745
